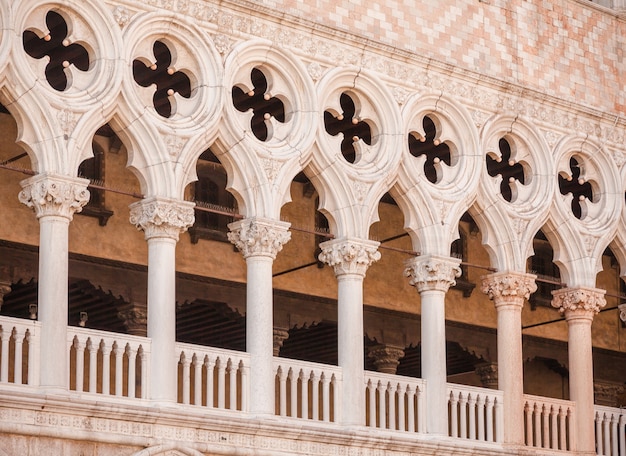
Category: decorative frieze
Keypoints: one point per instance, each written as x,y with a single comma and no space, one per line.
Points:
162,217
579,301
430,272
259,237
506,288
349,256
54,195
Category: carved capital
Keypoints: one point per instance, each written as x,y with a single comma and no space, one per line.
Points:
622,312
54,195
280,335
162,217
259,237
429,272
386,358
135,319
488,373
349,256
509,288
578,302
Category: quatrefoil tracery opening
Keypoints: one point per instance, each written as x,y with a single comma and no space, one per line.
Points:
61,53
350,125
575,184
167,80
508,168
264,106
430,146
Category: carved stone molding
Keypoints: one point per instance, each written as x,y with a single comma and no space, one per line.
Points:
431,272
259,237
509,288
488,373
162,217
578,302
54,195
349,256
622,312
386,357
280,335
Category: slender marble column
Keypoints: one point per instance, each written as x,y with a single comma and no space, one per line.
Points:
579,306
260,240
433,276
508,290
162,220
350,259
54,199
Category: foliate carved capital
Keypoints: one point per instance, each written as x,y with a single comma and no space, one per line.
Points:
386,358
135,320
349,256
509,288
54,195
162,217
578,302
259,237
429,272
280,335
488,373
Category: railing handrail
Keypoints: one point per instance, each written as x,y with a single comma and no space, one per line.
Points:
186,347
549,400
395,377
73,331
23,322
620,411
475,389
294,363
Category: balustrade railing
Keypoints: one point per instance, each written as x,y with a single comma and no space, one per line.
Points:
19,351
475,413
548,423
307,390
394,402
108,363
212,377
610,431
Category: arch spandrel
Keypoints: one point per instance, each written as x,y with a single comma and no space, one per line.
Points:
508,227
432,208
618,245
6,36
579,242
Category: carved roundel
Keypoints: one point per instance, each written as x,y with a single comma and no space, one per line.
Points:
70,53
270,99
174,74
359,124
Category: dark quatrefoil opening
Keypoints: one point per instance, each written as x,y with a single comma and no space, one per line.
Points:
167,80
349,124
60,52
577,186
263,105
435,151
506,167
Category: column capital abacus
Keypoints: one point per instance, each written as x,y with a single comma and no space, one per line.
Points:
349,256
54,195
580,302
259,237
430,272
161,217
509,288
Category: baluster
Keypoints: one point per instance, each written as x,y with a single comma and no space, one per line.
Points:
132,364
382,405
421,412
282,392
599,440
497,411
4,366
315,396
197,380
33,357
622,433
480,409
562,430
545,432
185,363
554,444
325,398
371,391
119,366
143,358
401,409
489,419
463,415
19,344
233,368
537,425
221,383
208,363
93,365
471,406
606,432
337,385
410,407
454,415
244,386
106,367
392,407
80,363
304,395
293,392
614,447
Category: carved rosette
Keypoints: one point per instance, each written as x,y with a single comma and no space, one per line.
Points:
54,195
578,302
509,288
162,217
349,256
259,237
430,272
386,358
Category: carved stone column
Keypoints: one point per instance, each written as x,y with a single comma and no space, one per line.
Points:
350,259
579,306
488,373
54,199
260,240
508,290
162,220
432,276
386,357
